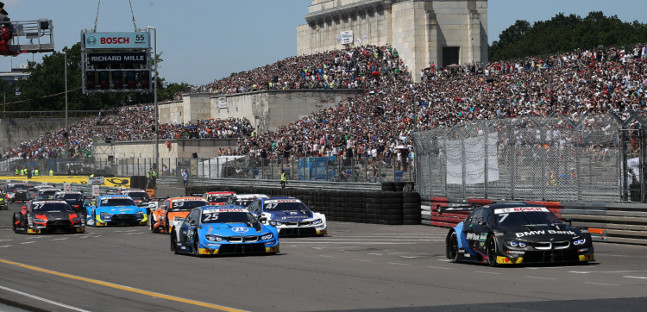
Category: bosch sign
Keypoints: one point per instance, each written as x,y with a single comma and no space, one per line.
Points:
137,40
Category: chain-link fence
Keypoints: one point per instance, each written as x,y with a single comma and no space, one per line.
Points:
532,158
328,169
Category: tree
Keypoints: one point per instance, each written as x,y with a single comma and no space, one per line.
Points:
565,33
44,89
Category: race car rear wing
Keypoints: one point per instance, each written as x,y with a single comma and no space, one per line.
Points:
456,207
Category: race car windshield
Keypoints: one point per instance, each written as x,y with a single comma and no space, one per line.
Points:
229,217
137,195
51,207
527,218
19,187
244,202
274,206
118,202
218,199
180,205
73,197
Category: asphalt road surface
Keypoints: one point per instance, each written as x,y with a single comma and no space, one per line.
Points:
357,267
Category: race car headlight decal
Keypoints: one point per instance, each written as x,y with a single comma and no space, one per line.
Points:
517,244
76,219
580,241
267,236
317,222
105,215
139,213
214,238
275,223
40,220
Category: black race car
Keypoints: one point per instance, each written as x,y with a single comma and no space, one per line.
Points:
516,233
55,216
74,199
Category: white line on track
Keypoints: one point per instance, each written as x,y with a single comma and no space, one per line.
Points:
135,233
410,257
396,263
61,239
126,231
374,254
636,277
487,272
605,272
601,284
612,255
437,267
443,260
358,242
327,256
6,240
364,260
5,246
540,277
25,243
43,299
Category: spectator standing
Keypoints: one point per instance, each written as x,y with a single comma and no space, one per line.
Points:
185,177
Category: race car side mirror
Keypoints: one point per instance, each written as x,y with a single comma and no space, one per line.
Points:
482,223
262,219
193,223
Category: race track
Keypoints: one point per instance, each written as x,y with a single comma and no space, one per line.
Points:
358,267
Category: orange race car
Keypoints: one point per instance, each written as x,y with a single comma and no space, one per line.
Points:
172,212
219,198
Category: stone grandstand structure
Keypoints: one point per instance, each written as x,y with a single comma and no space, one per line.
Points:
424,32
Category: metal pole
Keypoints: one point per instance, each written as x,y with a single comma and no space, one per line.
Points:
66,122
156,148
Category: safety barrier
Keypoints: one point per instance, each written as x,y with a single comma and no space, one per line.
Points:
361,206
611,222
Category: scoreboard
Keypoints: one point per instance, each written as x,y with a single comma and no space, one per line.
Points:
116,62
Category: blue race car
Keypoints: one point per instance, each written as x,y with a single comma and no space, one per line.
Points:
116,210
516,233
228,229
290,216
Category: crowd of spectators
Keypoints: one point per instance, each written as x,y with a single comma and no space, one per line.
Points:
129,123
377,124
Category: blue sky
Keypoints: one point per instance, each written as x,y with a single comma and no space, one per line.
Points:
203,40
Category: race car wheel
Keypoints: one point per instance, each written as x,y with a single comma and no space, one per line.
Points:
491,250
452,247
196,246
152,224
174,243
13,224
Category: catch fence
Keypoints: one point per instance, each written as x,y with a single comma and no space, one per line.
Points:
535,158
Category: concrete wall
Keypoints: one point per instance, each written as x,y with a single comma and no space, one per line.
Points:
14,131
266,110
419,29
205,148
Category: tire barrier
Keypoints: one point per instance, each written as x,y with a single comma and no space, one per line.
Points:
138,182
610,222
377,207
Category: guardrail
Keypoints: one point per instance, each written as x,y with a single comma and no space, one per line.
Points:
610,222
